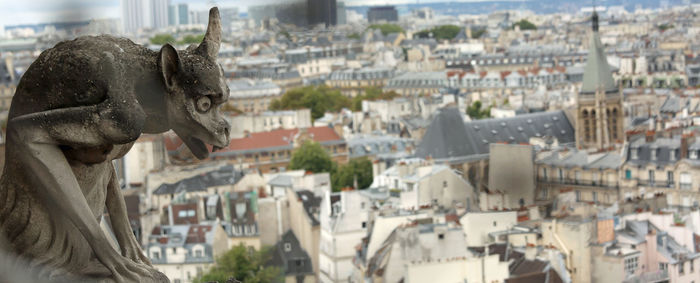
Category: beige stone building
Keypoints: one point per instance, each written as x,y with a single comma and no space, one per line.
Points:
592,177
353,82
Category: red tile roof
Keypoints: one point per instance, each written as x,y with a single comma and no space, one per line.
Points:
274,138
278,138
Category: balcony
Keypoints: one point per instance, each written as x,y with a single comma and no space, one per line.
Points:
581,183
657,184
649,277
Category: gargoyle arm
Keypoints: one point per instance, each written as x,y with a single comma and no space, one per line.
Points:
38,136
116,207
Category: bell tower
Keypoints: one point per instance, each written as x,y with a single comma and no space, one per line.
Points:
599,113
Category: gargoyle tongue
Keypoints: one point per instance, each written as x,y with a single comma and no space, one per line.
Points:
197,147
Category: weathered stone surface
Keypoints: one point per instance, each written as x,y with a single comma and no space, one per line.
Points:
79,106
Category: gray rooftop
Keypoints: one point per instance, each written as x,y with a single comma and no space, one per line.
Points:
449,137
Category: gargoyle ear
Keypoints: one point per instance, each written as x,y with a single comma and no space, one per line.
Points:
169,64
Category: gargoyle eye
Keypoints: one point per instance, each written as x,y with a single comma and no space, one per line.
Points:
203,104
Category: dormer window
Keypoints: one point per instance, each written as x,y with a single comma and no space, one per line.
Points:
653,153
693,154
287,247
672,155
635,153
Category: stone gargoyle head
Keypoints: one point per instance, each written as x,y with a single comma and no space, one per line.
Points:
195,88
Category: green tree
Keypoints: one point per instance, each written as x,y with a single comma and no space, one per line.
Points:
243,265
192,39
360,168
475,112
665,27
310,156
371,93
320,99
387,28
477,33
525,25
161,39
354,35
444,32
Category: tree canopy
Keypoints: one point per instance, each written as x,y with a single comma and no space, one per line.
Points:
475,112
320,99
243,265
445,32
360,168
192,39
310,156
162,39
371,93
477,33
525,25
387,28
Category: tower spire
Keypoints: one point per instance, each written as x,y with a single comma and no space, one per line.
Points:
594,19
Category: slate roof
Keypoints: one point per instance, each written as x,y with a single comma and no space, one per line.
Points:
289,255
607,160
597,72
312,205
663,147
224,175
449,137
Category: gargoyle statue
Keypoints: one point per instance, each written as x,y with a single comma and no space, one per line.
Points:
79,106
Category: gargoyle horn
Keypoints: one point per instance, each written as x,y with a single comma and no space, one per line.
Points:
212,39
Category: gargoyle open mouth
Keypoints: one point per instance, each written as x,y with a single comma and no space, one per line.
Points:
197,147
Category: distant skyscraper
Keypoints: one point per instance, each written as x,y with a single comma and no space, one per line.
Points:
158,13
183,15
228,15
341,13
322,11
382,13
132,15
178,15
137,14
288,12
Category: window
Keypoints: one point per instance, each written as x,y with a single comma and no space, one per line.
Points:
669,177
364,224
578,195
561,175
287,247
444,184
635,152
693,154
631,265
681,267
494,224
628,174
155,255
651,177
663,266
692,267
595,196
198,253
577,176
441,236
653,153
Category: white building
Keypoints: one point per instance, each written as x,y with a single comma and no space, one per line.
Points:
344,222
478,225
183,252
268,121
421,184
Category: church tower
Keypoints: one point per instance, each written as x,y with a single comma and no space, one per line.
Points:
599,115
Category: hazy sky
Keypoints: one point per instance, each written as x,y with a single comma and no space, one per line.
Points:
14,12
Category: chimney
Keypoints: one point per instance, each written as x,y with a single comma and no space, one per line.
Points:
650,136
686,141
402,168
